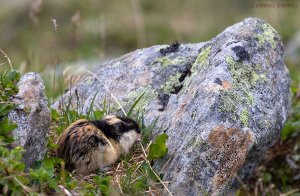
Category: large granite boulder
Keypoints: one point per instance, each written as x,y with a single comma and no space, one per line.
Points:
32,117
223,102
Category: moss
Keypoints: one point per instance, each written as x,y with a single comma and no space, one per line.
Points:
267,36
172,81
244,117
166,61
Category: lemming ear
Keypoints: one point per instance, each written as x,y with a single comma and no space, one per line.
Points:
123,126
119,126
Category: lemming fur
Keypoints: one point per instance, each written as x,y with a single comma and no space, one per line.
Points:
86,146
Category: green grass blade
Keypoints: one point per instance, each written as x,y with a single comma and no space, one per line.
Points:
104,105
91,105
135,103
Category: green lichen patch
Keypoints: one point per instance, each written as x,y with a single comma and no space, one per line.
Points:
242,75
257,77
200,63
267,36
201,60
166,61
264,123
250,99
171,83
263,78
150,94
254,78
244,117
244,79
228,104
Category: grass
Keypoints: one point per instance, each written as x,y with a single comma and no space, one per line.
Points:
133,174
75,35
105,29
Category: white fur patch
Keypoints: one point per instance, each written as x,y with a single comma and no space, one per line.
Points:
128,140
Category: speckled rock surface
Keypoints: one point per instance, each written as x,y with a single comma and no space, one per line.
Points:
223,102
32,116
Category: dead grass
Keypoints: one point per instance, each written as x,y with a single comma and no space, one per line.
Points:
7,58
278,165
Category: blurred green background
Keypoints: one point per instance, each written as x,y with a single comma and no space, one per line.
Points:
105,29
42,35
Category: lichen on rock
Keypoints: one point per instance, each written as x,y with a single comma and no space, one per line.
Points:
172,83
267,35
222,103
166,61
149,95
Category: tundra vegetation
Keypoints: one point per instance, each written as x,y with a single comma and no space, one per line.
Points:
79,32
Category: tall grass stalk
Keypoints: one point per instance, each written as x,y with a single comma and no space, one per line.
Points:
107,89
139,23
54,55
7,58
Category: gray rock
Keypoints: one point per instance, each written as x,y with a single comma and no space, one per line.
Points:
223,102
32,116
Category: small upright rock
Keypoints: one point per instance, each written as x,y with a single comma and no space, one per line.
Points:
32,116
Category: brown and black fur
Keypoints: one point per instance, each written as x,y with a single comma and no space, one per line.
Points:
88,145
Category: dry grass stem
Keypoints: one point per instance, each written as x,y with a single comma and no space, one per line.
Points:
7,58
54,24
168,161
65,191
147,161
107,89
290,192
